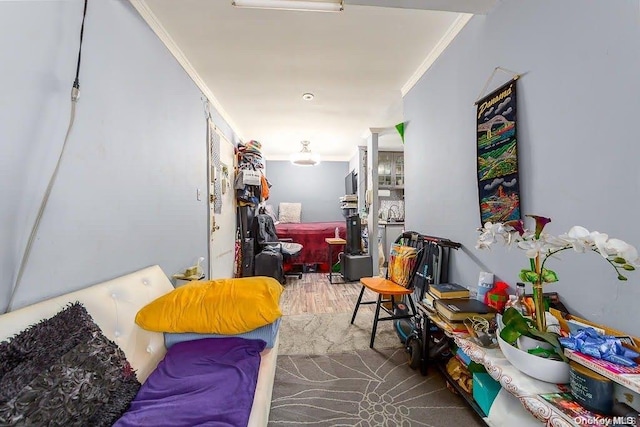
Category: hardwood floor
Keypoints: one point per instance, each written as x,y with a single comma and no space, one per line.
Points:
313,294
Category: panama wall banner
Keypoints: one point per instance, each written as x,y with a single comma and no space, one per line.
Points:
498,182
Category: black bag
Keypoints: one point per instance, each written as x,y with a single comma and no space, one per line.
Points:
269,263
248,249
264,230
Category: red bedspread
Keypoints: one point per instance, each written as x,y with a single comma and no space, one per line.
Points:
311,236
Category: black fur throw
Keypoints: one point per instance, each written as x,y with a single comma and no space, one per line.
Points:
62,371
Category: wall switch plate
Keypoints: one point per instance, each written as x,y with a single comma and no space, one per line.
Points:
198,194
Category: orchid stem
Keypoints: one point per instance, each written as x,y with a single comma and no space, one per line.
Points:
550,253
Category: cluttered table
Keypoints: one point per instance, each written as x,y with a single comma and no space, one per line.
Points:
521,400
524,388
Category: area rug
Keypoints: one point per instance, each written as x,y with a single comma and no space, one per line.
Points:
362,388
318,334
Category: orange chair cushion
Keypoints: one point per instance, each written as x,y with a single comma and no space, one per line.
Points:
381,285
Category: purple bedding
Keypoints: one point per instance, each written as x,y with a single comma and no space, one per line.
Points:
208,382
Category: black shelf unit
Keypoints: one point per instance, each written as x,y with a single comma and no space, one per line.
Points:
466,396
440,365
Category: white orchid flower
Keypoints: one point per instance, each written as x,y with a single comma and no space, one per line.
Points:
578,237
482,245
553,243
491,233
622,249
600,240
533,248
540,246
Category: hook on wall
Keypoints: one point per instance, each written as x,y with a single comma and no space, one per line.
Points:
206,106
514,76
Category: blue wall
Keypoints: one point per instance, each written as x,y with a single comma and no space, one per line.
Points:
125,196
318,188
578,101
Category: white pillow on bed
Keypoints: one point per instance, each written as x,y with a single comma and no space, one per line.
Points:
289,212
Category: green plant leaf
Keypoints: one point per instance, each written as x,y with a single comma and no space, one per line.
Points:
516,325
511,315
621,277
628,267
528,276
549,276
619,260
552,339
510,334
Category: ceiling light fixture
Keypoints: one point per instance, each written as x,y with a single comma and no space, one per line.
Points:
305,157
307,96
303,5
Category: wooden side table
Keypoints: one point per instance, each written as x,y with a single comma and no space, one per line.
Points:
333,241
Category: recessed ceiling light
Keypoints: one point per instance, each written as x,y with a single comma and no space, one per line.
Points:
307,96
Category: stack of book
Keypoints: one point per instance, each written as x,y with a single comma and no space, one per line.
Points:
452,304
349,201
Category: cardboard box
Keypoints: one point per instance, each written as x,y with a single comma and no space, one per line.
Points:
626,339
485,390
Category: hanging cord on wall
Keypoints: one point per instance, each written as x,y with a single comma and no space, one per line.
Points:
75,95
514,76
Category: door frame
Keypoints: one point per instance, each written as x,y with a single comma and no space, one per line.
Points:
212,226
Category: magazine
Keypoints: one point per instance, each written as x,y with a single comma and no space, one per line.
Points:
572,411
624,375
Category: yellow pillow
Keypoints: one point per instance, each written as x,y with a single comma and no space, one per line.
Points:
222,306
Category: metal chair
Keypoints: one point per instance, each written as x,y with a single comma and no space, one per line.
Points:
387,291
267,241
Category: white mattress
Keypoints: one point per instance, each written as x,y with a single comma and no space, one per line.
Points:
113,306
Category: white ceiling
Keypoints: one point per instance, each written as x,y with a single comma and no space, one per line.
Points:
254,65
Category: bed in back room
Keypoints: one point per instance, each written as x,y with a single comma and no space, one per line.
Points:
310,235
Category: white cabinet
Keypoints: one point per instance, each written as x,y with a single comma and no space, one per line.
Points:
391,169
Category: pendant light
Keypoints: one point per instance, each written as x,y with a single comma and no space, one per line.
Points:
305,157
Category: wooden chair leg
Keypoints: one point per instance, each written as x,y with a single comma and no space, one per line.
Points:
375,320
355,310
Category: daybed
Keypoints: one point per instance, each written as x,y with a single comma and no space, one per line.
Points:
311,236
113,306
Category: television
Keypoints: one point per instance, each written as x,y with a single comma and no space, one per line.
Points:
351,183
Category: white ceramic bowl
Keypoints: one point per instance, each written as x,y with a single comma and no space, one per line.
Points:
547,370
525,343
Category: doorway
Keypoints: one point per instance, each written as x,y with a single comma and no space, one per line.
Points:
222,208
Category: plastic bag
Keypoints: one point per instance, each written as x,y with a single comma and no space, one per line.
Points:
402,259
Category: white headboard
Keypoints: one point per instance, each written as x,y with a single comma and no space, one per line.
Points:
113,306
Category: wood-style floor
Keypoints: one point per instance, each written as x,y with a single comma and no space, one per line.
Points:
314,294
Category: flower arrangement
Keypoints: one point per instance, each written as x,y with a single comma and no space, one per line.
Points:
541,246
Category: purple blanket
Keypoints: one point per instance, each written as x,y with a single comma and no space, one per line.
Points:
207,382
